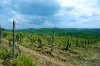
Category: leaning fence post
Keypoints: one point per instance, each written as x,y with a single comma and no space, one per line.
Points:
0,33
13,39
52,47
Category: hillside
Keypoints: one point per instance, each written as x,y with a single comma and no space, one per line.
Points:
61,31
67,47
89,56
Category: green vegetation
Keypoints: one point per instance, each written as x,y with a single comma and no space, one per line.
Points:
23,60
65,39
76,46
2,52
62,31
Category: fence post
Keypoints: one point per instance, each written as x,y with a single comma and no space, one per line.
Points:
53,36
14,39
88,41
68,43
85,41
0,33
76,41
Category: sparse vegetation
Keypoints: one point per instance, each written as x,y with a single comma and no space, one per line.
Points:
74,47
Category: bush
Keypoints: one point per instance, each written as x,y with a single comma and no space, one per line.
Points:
23,60
7,55
2,51
4,54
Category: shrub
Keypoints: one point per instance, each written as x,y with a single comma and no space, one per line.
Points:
23,60
4,54
2,51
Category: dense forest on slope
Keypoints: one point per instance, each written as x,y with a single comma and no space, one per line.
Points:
63,31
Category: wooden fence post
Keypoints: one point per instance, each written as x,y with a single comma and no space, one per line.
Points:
85,41
76,41
88,41
14,39
0,33
68,43
53,36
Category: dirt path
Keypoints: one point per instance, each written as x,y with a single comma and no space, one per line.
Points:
40,59
1,61
44,60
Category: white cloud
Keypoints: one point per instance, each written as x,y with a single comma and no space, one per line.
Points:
48,23
81,10
66,3
18,18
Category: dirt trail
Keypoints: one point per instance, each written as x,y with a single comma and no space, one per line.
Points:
40,59
44,60
1,61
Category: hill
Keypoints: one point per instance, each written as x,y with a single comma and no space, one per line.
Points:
62,31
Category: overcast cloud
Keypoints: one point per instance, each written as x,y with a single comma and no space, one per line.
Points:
50,13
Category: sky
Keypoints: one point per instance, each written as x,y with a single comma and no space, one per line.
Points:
50,13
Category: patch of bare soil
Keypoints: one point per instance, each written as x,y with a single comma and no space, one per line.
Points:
42,60
1,62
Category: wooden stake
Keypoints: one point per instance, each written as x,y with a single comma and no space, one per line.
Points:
77,41
14,39
52,47
0,33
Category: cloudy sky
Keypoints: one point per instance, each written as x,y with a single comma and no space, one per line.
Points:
50,13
